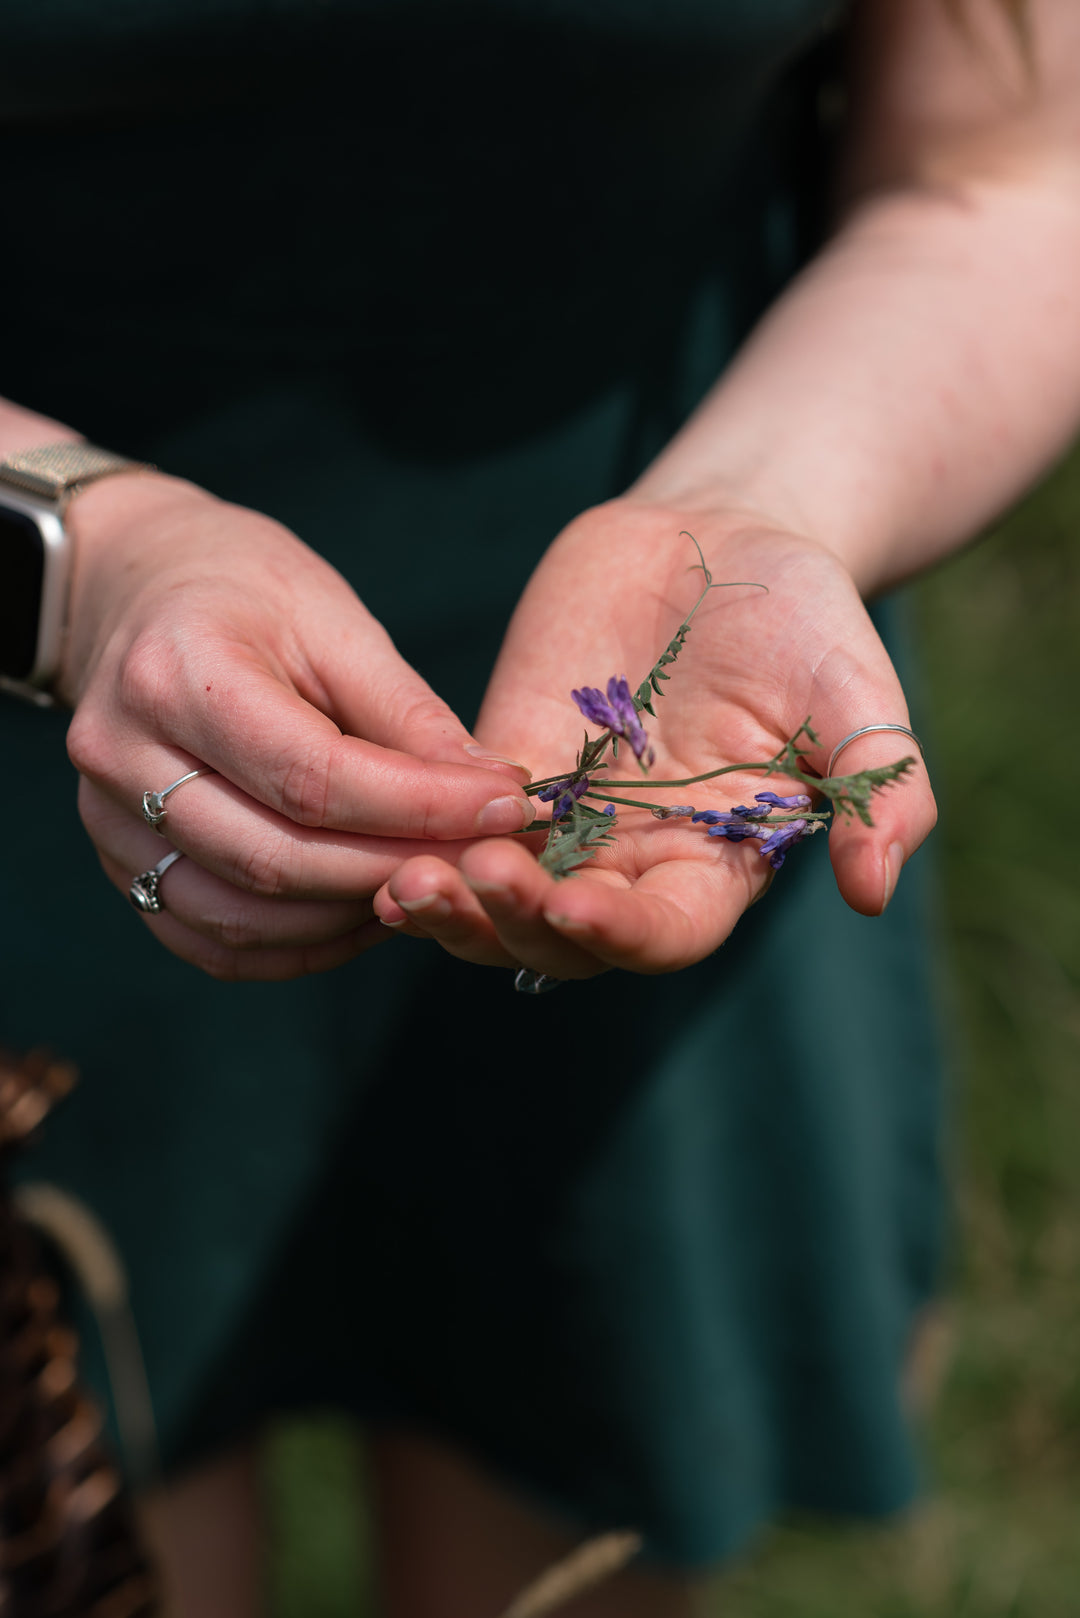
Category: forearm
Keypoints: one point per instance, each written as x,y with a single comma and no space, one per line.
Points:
911,383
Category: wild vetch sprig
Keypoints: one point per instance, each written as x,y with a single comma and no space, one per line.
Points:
775,821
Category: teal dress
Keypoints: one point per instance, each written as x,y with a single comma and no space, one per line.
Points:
424,282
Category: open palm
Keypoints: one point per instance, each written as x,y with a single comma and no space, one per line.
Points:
606,600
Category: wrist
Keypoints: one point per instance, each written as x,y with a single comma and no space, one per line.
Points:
134,507
38,483
125,531
22,429
760,500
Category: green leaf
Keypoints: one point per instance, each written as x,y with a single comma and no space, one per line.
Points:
570,844
851,794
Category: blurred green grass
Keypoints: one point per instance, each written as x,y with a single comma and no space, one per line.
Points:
999,1536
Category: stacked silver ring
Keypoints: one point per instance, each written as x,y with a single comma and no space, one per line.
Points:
153,803
526,981
143,891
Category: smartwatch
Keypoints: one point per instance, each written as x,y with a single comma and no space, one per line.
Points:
35,558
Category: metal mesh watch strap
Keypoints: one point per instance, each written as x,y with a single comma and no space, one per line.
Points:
55,471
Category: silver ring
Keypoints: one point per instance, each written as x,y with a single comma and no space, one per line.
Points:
143,892
865,730
153,803
526,981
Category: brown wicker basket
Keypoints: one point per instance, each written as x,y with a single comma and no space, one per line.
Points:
68,1547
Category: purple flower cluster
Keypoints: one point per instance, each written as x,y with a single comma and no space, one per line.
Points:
744,821
615,712
562,795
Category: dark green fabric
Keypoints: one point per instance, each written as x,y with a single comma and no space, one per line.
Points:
424,282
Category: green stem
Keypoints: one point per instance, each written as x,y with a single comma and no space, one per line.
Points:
565,775
692,780
627,803
589,761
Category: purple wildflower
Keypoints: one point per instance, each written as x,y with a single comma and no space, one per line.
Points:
609,711
729,823
775,849
616,712
730,817
565,794
678,811
737,831
736,825
608,809
797,800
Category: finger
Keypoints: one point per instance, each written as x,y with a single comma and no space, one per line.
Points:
269,965
867,860
288,755
433,901
856,685
673,916
678,905
221,913
247,845
512,890
675,907
491,923
264,966
376,694
238,717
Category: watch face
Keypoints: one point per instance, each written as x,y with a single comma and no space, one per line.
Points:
22,569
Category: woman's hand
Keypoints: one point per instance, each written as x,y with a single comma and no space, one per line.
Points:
606,600
204,634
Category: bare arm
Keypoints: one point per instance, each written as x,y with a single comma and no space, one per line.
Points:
921,371
926,367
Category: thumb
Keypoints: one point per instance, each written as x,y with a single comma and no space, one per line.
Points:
378,696
867,860
855,687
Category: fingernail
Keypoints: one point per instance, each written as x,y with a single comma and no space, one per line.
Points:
894,864
475,751
432,906
400,923
497,890
503,815
566,924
